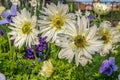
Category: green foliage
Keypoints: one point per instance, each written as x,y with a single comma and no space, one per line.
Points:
25,69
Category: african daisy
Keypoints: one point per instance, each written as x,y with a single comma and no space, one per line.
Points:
47,69
109,35
54,20
80,41
23,30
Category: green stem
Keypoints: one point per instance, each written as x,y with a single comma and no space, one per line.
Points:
36,60
14,55
0,49
83,76
10,53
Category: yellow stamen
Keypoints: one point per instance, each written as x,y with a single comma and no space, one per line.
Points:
57,21
80,41
105,36
26,27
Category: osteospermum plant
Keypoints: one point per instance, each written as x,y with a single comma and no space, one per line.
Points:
80,41
54,20
50,43
23,30
109,35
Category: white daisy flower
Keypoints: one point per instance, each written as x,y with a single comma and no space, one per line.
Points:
54,20
47,69
24,29
101,8
109,35
80,41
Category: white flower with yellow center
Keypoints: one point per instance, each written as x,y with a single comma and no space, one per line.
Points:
1,9
47,69
24,29
80,41
109,35
101,8
54,20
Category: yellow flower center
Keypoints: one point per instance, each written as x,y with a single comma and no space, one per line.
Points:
26,27
105,36
80,41
57,21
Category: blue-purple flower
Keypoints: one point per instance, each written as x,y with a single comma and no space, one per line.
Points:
108,66
41,46
8,15
29,53
39,59
90,17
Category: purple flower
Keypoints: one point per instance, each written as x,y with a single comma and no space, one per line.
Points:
8,15
29,53
39,59
1,32
90,17
41,46
108,66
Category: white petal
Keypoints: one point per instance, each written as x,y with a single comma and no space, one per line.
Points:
66,53
92,32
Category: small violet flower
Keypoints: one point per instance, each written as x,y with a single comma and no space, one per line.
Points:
90,17
39,59
8,15
41,46
2,76
29,53
108,66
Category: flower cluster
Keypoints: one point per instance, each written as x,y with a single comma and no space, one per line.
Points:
41,46
30,53
78,40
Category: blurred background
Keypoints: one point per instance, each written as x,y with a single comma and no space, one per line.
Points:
113,16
